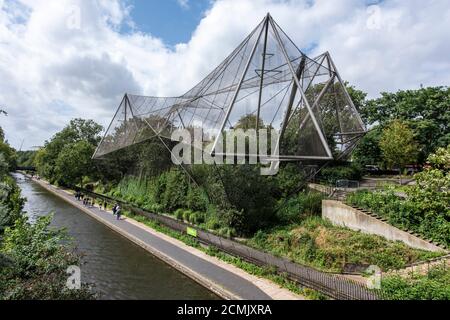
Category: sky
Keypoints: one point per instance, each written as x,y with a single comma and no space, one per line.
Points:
64,59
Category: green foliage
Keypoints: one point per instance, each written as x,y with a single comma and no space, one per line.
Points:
76,140
252,194
417,213
440,159
317,243
11,202
8,153
38,263
290,179
295,209
26,158
368,151
435,285
425,110
333,174
74,162
397,145
425,210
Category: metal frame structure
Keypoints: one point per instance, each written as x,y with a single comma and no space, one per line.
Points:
254,81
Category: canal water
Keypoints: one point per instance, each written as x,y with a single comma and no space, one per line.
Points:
118,268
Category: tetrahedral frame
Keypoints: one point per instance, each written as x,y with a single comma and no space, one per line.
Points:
266,79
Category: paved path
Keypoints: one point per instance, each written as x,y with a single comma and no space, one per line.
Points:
224,279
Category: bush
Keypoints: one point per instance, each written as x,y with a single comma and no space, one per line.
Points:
187,215
251,195
176,188
179,214
196,199
38,263
295,209
333,174
433,286
290,179
232,218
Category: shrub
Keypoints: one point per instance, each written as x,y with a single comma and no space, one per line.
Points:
290,179
433,286
187,215
176,187
334,174
424,211
295,209
179,214
251,195
196,199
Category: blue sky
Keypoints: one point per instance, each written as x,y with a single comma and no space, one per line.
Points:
169,20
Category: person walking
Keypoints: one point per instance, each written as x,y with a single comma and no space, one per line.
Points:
105,206
114,209
118,212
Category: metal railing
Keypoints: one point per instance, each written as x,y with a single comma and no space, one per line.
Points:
332,285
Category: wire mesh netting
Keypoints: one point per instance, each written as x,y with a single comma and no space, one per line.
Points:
265,83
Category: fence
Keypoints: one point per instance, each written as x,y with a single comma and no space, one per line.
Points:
332,285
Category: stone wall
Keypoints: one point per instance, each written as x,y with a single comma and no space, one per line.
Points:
341,214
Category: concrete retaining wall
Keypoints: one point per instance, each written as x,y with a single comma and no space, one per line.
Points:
342,215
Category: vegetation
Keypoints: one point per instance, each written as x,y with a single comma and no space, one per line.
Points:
426,208
332,174
33,257
432,286
317,243
25,158
66,158
398,146
36,263
425,111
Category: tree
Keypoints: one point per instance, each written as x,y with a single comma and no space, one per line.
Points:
397,145
249,122
74,162
424,110
7,151
76,131
368,149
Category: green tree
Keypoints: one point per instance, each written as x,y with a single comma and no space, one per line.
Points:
424,110
74,162
368,150
76,131
397,145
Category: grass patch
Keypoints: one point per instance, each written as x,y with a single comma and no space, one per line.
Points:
435,285
319,244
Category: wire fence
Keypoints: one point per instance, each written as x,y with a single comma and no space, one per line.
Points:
332,285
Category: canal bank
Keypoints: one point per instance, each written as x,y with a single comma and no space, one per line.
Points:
227,281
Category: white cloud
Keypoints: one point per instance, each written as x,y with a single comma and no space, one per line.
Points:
183,3
51,71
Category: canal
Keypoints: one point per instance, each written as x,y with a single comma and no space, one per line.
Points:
118,268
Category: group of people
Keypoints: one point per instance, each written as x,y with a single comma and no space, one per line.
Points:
90,202
86,201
